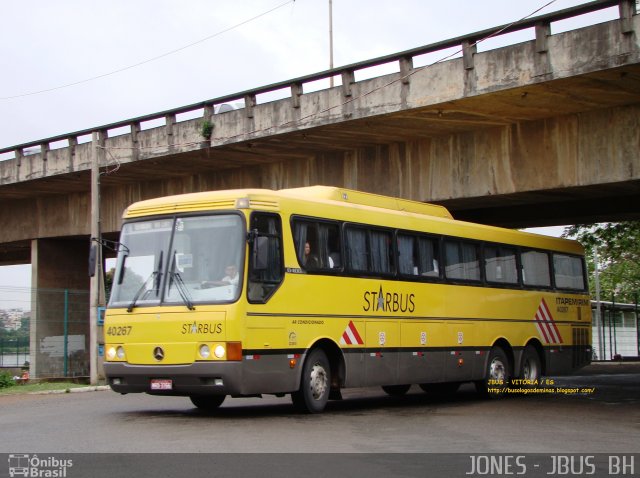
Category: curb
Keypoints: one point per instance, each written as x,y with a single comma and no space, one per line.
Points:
98,388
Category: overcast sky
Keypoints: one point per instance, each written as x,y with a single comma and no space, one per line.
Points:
45,45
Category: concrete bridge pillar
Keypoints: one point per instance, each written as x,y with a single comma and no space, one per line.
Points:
59,308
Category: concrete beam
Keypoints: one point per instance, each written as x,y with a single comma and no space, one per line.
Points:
596,149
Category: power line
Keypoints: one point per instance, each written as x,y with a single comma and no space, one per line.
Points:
353,98
149,60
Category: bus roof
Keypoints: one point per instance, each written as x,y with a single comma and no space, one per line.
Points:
227,198
351,196
267,199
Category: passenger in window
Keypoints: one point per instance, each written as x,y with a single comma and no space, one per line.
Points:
309,261
231,278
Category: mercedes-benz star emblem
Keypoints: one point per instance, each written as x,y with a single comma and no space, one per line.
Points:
158,353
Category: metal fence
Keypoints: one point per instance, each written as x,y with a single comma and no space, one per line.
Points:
14,352
51,337
616,331
61,322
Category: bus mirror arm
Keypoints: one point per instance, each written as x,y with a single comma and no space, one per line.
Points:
251,236
93,252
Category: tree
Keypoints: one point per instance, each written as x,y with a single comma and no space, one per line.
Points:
618,249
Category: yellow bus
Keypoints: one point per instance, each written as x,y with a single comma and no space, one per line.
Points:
310,290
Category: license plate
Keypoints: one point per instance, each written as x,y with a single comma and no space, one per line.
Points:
161,384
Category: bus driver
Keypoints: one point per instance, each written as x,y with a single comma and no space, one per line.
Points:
231,278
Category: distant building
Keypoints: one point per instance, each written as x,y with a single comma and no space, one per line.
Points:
616,333
11,319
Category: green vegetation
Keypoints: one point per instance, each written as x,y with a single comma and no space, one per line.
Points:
618,249
14,388
6,380
207,129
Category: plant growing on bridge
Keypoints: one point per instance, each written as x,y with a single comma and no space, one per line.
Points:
618,249
207,129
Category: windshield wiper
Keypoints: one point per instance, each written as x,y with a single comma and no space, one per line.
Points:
180,285
155,277
143,288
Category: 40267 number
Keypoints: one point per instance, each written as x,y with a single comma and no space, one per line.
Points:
125,330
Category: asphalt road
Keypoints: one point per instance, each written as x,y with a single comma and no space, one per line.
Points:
608,419
605,420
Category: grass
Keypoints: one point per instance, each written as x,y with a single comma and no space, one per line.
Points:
39,387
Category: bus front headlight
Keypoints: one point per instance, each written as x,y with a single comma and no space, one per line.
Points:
204,351
219,351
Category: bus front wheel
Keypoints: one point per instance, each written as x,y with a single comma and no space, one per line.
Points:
315,383
207,402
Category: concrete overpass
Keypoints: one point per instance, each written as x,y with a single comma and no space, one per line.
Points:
536,133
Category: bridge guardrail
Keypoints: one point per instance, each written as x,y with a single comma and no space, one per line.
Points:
467,43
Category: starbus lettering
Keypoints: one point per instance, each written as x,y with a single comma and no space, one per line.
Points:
388,301
196,328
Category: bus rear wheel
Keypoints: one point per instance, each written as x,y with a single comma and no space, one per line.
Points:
315,383
531,367
396,390
207,402
497,375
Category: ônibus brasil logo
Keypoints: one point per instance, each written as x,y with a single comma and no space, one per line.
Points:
23,464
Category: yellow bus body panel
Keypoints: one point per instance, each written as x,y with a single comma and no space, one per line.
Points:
366,318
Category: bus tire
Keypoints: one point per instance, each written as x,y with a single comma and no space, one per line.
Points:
442,389
530,366
497,375
315,383
207,402
396,390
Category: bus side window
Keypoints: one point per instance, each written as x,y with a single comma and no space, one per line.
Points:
329,235
356,248
428,254
500,264
323,242
381,252
369,250
462,260
568,271
407,255
535,268
266,269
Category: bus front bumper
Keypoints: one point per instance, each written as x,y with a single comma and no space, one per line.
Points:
199,378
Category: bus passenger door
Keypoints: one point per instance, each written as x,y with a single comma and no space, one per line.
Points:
266,365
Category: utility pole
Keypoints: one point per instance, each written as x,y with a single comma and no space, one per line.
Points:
599,317
96,291
331,40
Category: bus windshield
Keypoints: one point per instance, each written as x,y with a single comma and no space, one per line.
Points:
183,260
